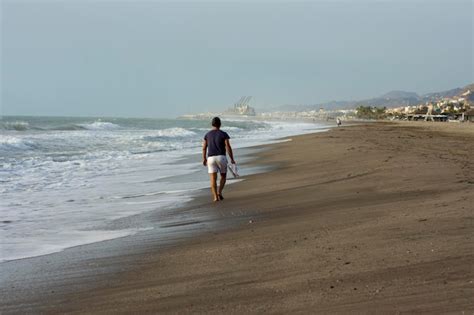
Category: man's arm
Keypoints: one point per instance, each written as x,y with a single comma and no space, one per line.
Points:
229,150
204,152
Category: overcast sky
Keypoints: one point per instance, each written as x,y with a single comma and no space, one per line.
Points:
163,59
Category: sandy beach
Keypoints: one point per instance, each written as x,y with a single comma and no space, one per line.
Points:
360,219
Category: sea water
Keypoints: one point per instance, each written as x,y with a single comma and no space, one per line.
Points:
64,180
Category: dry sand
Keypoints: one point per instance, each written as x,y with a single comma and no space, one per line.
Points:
369,218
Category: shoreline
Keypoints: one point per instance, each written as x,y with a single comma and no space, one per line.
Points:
117,228
37,277
316,234
26,282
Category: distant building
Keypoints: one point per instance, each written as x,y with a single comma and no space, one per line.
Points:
469,115
242,107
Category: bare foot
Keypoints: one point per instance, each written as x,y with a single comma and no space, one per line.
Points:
221,197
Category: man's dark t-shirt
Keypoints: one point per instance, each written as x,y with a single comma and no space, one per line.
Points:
216,142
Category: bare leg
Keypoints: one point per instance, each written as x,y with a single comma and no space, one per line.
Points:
222,184
213,177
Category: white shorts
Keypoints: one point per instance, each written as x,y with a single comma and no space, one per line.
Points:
217,164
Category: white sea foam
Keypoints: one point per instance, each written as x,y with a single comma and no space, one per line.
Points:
48,244
100,125
174,132
74,182
8,143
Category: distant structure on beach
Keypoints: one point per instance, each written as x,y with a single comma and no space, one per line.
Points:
241,107
453,105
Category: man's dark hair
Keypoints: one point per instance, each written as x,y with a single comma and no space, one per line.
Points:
216,122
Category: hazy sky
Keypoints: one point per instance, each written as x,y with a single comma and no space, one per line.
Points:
162,59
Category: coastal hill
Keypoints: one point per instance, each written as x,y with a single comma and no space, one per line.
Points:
466,92
389,100
400,95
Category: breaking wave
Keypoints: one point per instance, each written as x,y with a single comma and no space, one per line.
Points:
68,127
15,125
8,143
176,132
99,125
24,126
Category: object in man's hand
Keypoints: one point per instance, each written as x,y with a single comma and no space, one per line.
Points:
233,169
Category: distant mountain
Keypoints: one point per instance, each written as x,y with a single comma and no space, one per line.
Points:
469,87
468,93
390,99
400,95
438,95
328,105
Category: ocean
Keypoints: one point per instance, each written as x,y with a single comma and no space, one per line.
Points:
64,180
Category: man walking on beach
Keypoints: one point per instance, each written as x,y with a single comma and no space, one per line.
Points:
216,144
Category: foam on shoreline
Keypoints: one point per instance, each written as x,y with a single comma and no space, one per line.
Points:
55,199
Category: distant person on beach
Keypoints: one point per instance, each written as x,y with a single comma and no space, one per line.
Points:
338,121
216,144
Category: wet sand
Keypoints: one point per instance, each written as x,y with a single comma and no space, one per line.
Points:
368,218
